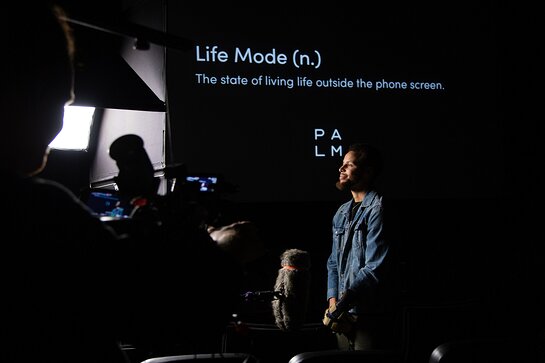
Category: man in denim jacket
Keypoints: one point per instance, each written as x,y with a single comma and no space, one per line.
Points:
358,255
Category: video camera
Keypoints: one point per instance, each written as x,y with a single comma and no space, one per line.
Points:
185,198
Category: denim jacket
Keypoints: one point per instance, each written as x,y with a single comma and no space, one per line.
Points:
358,252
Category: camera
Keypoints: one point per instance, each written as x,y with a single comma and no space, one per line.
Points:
204,183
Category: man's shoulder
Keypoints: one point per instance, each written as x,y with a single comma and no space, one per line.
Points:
47,201
344,206
373,199
51,192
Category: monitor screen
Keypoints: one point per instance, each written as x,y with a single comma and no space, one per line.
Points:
105,204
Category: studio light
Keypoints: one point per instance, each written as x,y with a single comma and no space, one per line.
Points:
76,129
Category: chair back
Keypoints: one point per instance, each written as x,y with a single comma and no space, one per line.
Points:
352,356
206,358
493,350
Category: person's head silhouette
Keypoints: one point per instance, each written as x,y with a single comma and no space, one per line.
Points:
37,82
136,173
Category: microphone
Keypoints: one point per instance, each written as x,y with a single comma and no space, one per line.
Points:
262,296
292,286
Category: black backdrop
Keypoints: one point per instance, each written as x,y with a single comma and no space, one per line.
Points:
283,142
463,165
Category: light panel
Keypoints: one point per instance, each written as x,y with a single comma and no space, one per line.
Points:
76,129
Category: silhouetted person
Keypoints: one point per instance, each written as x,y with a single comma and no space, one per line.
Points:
59,269
178,269
71,288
